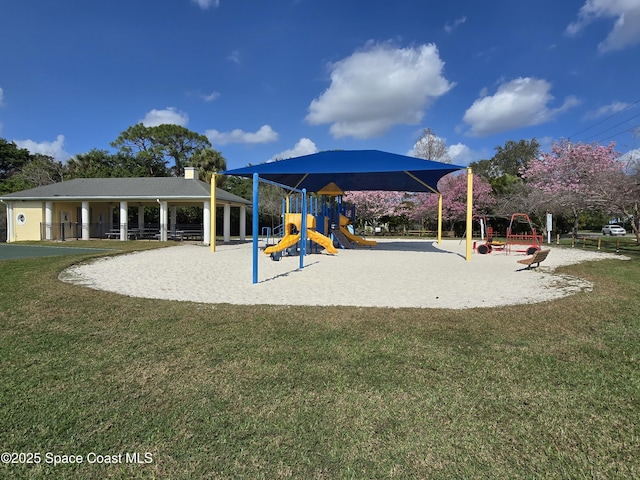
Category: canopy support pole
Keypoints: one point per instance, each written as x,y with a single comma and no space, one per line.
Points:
469,213
212,228
256,181
303,228
439,234
439,218
294,189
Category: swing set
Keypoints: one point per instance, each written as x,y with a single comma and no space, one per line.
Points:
530,239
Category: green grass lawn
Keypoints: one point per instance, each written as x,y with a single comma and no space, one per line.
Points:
221,391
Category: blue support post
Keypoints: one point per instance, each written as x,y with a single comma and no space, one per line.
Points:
255,227
303,227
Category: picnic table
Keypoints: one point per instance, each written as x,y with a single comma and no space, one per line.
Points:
132,234
180,235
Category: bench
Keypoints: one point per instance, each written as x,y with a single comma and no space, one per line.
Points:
537,257
115,233
421,233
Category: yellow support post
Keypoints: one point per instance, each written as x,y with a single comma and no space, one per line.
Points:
469,213
439,218
212,208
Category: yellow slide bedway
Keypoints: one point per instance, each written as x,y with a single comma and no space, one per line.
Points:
344,222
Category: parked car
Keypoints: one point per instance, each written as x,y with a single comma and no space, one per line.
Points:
613,230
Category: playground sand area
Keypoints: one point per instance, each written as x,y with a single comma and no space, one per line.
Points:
395,273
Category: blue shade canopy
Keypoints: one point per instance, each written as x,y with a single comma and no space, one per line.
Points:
353,170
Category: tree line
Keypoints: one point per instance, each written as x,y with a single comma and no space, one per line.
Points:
580,184
142,151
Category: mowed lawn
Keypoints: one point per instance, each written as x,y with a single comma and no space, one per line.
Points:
176,390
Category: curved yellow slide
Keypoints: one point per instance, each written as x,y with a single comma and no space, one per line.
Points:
321,240
289,240
357,239
286,242
344,221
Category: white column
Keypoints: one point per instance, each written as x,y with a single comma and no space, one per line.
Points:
243,223
10,221
124,215
140,218
206,223
85,221
48,220
174,218
164,220
226,225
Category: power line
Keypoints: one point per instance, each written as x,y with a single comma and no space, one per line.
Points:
611,128
605,119
626,130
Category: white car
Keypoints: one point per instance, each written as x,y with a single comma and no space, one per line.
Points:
613,230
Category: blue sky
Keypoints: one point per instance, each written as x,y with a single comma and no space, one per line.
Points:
274,79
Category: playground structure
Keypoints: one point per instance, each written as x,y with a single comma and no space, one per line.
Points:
490,243
328,223
345,223
531,240
358,170
341,217
292,228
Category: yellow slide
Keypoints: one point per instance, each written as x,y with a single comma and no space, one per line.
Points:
291,239
287,241
357,239
322,241
344,221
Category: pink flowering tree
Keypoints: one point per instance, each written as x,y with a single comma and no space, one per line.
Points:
571,177
372,205
454,199
619,189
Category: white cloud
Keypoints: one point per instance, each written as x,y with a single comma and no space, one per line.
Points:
451,26
303,147
234,57
631,160
626,29
379,87
53,149
461,154
207,97
605,110
206,4
210,97
265,134
169,116
519,103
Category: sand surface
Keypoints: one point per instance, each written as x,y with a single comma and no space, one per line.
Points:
396,273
